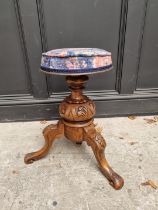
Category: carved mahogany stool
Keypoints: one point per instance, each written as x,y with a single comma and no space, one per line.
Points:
77,110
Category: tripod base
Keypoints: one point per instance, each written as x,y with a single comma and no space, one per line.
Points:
77,125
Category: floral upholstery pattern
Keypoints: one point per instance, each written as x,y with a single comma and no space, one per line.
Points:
76,61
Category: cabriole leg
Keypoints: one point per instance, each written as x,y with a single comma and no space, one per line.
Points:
50,133
98,144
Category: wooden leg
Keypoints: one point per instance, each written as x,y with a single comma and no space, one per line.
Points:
98,144
51,132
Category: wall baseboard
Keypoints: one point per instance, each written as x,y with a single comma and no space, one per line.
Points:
47,110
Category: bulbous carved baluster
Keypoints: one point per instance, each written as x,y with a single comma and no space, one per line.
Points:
98,144
50,133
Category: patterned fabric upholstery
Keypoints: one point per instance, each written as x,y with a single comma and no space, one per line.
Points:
76,61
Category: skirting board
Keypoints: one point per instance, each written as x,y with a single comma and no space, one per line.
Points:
49,111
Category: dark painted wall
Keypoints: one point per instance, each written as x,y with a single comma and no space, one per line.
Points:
127,28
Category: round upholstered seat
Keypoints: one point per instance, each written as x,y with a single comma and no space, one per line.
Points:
76,61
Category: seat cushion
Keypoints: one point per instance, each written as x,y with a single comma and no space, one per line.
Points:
76,61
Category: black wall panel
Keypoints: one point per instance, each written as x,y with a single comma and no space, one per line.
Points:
14,77
148,68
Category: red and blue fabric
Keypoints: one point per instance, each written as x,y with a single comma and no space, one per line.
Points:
76,61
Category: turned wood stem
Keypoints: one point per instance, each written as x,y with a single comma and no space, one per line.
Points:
76,85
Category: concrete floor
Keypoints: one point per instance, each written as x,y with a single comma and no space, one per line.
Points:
68,178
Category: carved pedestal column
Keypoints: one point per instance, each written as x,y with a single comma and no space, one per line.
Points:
77,112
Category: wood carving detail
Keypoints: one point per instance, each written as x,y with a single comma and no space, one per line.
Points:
81,111
100,141
77,112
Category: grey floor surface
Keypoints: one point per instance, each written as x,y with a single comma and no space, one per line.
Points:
68,178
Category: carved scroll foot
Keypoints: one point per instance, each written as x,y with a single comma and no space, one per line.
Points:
98,144
50,133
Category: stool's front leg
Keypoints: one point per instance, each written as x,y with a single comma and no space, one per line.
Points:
98,144
50,133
